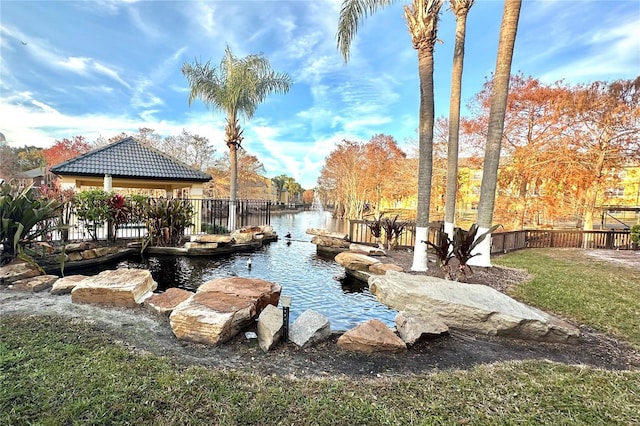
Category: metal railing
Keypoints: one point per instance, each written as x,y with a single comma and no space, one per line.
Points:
211,215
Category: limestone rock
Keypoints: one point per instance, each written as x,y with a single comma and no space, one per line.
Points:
66,284
355,261
74,256
89,254
212,317
17,270
371,336
413,327
368,250
473,307
309,328
330,242
270,327
200,245
264,292
120,287
208,238
82,246
241,236
105,251
382,268
165,303
328,234
34,284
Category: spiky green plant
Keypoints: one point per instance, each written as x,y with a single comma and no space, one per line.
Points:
166,221
24,218
463,245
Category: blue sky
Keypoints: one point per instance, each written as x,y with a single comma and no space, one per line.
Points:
103,67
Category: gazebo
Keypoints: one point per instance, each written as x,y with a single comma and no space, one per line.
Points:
131,164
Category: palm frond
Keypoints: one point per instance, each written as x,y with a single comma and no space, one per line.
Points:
351,12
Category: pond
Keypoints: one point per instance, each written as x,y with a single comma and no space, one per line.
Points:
312,281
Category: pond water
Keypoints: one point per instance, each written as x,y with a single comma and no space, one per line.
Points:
293,263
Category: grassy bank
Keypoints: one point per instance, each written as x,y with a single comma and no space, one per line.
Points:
601,294
54,372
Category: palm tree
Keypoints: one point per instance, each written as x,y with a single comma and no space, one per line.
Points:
236,87
460,9
499,94
422,20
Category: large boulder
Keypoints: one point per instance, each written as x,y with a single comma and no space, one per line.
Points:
368,250
66,284
165,303
413,327
472,307
270,327
371,336
328,234
382,268
264,292
17,270
336,243
212,317
120,287
221,308
211,239
309,328
355,261
34,284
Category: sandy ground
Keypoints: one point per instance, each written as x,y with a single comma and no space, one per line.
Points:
143,331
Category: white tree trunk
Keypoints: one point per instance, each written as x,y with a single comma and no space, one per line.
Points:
484,250
420,250
232,216
448,229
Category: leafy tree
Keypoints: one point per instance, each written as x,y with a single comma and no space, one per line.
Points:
508,30
236,86
460,9
92,209
422,20
65,149
30,157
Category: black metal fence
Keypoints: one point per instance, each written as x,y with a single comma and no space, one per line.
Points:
213,219
504,242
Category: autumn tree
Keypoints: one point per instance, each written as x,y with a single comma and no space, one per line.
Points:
65,149
251,178
603,134
191,149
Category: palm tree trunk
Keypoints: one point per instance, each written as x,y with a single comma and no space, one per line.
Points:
499,94
425,161
454,119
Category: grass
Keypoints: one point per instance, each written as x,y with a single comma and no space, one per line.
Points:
53,371
600,294
56,371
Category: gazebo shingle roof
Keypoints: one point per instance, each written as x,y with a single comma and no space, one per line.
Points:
129,158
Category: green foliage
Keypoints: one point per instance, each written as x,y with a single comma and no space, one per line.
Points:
635,233
119,213
92,209
167,220
24,217
210,228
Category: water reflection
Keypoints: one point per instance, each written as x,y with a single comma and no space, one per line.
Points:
291,262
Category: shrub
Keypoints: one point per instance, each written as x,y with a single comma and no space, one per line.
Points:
393,230
635,233
375,226
92,209
24,218
166,221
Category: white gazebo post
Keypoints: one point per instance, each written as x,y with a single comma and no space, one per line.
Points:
108,183
195,193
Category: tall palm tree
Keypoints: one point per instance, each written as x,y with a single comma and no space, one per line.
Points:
422,20
460,9
497,109
236,87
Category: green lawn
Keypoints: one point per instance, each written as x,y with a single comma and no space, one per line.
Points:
56,371
601,294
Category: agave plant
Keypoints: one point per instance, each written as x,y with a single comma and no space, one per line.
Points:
24,218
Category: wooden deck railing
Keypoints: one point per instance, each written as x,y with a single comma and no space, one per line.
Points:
503,242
